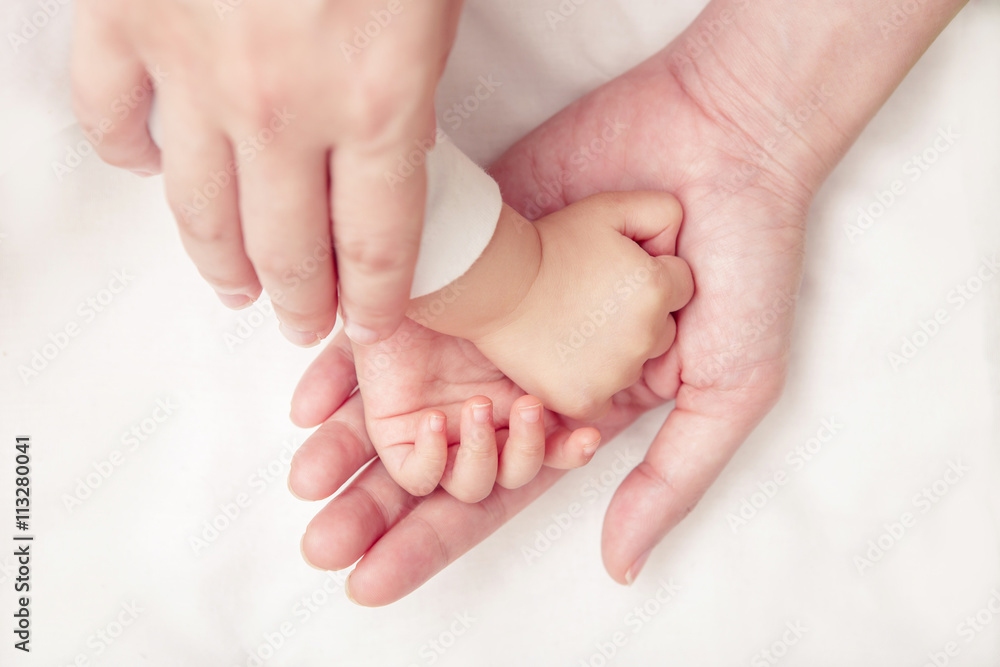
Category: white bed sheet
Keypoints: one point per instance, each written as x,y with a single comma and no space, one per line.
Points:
788,581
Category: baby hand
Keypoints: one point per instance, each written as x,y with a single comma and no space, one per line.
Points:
600,305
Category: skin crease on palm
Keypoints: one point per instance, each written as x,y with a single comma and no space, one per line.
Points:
691,157
698,131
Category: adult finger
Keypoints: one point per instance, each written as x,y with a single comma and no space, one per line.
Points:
378,215
350,523
332,454
687,455
430,537
328,382
286,228
112,92
200,180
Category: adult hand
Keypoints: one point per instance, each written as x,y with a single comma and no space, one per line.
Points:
745,250
284,128
415,370
743,137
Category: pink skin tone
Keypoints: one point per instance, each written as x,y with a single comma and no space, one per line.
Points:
714,129
523,304
278,128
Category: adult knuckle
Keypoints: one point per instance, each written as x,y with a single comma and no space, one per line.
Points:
369,256
664,487
202,228
380,105
270,261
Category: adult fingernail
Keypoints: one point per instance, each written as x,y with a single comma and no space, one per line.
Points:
234,301
302,550
347,589
636,568
437,424
481,414
531,413
295,495
359,334
300,338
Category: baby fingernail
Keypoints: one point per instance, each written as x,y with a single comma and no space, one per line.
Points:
589,450
234,301
300,338
482,413
437,424
531,414
359,334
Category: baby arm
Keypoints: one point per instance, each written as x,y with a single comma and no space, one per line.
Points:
569,308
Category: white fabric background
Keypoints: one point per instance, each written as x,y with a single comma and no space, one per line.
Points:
163,338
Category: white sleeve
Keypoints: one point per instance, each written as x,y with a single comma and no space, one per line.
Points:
463,207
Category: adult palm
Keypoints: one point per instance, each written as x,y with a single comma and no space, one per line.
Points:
660,126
